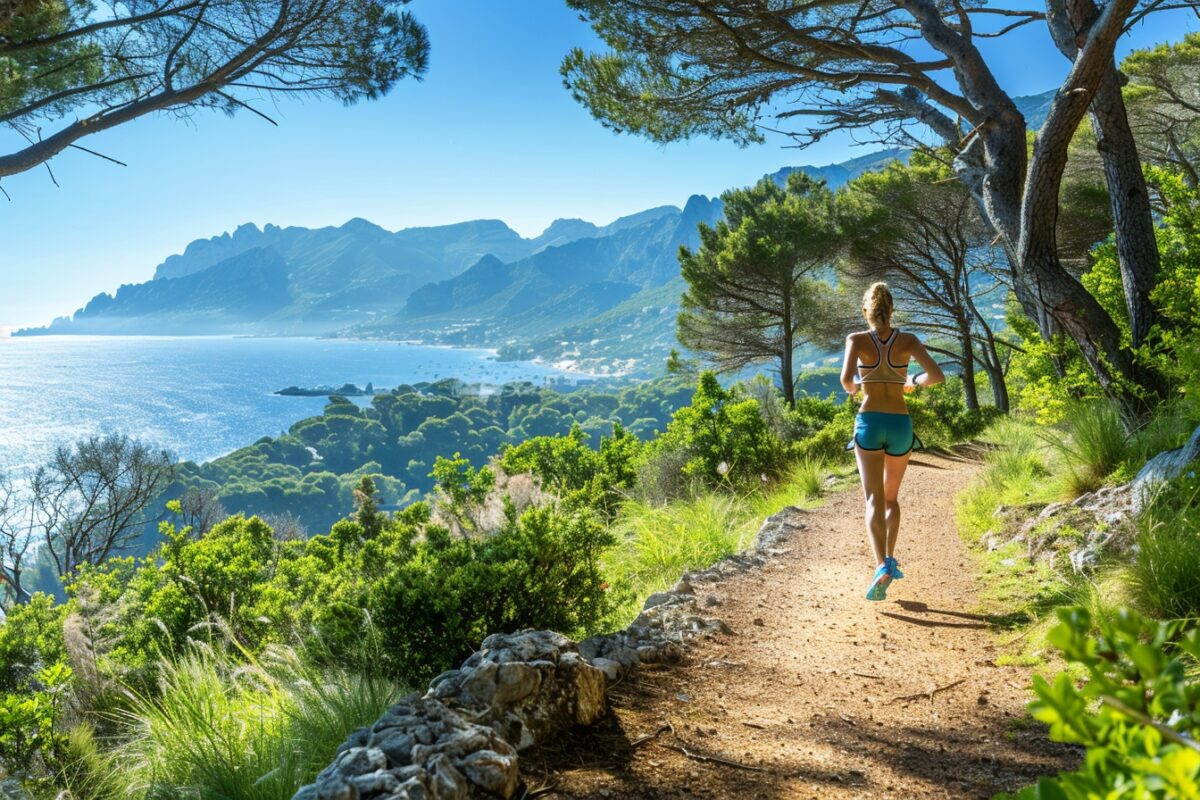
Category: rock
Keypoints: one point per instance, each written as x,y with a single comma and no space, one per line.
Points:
657,599
1162,468
373,783
360,761
612,669
492,771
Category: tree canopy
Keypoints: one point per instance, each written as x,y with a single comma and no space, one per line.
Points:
753,289
71,68
896,71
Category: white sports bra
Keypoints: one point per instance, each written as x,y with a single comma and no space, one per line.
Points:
883,370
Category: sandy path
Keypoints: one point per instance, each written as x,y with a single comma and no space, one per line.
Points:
804,694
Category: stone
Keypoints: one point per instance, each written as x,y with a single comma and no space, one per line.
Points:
360,761
612,669
396,744
657,599
516,681
492,771
335,787
375,783
446,782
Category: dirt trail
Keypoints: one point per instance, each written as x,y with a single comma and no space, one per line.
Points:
819,693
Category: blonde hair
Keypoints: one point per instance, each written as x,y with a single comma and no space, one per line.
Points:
877,305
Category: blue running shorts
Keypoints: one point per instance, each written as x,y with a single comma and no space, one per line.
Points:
881,430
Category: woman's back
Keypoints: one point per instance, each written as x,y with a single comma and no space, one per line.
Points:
881,359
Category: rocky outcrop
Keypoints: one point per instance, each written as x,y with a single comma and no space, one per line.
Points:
461,738
1094,523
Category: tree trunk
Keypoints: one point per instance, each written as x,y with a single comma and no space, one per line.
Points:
970,392
785,369
1133,221
1069,22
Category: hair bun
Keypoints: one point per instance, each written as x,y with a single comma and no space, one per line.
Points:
878,305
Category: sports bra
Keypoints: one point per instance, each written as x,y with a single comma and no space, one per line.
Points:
883,370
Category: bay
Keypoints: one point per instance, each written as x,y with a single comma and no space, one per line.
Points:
200,397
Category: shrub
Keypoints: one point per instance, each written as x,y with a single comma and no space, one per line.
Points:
31,639
723,436
1137,713
31,736
541,569
575,472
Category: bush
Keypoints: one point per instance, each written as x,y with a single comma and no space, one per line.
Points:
566,466
724,438
1137,713
439,598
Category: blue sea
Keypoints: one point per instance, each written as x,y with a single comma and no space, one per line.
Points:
200,397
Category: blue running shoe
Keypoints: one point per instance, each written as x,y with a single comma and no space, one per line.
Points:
893,568
879,585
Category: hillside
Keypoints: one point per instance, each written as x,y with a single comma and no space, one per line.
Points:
590,294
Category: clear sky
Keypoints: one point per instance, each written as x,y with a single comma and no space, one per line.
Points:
490,133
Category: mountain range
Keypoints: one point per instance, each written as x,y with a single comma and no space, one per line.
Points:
594,295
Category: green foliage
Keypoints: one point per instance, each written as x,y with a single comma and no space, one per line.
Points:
566,466
461,486
314,470
439,598
722,438
220,727
1137,713
1165,575
31,739
1038,388
753,291
31,638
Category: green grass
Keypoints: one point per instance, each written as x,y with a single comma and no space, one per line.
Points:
1015,475
1165,574
221,728
657,544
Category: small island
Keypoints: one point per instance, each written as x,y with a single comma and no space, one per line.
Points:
345,390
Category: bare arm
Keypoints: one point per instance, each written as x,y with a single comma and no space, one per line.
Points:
849,366
933,373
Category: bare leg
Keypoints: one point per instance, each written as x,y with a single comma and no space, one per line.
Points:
870,469
893,473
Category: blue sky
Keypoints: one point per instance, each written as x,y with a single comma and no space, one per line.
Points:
490,133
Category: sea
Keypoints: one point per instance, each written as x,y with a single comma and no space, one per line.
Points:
201,396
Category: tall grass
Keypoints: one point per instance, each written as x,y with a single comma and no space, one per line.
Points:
1165,575
221,728
658,543
1094,445
1015,474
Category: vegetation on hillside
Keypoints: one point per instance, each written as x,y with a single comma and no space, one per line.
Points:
204,637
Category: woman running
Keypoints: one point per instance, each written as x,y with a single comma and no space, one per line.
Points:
877,361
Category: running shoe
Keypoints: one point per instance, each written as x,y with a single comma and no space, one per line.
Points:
879,584
893,568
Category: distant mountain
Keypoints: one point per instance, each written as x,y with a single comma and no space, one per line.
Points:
837,175
228,297
560,284
563,294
